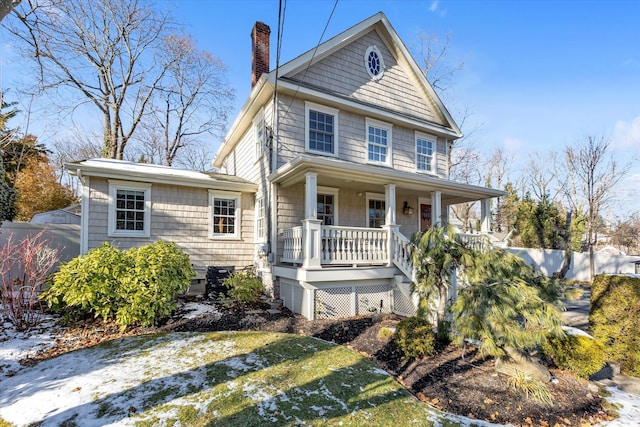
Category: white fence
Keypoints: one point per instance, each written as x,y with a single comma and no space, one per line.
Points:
549,261
65,237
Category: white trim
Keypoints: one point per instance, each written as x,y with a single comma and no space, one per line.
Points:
333,192
384,126
84,214
434,151
257,236
374,49
114,186
308,106
259,146
372,196
229,195
138,172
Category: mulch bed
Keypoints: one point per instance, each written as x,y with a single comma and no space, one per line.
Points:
455,380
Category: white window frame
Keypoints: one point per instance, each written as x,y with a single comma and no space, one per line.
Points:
114,186
331,191
260,220
389,147
434,150
308,106
374,49
374,196
258,137
228,195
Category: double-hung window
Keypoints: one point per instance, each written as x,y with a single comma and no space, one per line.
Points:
260,219
425,148
321,129
378,142
129,209
224,220
259,134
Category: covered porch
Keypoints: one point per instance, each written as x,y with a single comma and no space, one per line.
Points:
353,233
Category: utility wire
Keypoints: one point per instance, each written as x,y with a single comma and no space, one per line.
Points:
315,50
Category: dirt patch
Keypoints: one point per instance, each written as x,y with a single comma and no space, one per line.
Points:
455,380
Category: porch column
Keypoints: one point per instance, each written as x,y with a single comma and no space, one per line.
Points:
436,208
485,214
311,196
390,220
390,203
311,225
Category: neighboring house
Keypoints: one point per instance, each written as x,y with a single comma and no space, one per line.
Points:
68,215
334,161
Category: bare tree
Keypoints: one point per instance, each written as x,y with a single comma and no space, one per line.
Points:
6,6
193,99
439,70
102,51
541,175
593,173
468,169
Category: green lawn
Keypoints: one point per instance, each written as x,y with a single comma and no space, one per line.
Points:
221,379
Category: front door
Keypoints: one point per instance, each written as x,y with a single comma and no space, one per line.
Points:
425,216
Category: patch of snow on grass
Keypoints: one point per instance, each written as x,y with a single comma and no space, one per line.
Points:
628,408
15,345
196,309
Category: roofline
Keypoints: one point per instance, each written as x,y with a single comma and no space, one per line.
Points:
289,173
260,92
265,85
204,181
355,31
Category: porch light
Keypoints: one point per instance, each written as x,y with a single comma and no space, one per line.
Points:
407,210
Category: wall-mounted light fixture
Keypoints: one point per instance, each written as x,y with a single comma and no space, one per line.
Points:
407,210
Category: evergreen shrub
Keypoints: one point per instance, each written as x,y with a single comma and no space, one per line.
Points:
579,354
244,286
613,319
137,285
415,337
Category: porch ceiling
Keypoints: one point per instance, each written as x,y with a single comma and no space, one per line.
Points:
339,173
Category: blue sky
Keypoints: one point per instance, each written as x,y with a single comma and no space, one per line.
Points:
537,75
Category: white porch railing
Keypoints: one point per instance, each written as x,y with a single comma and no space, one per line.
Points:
401,255
346,245
357,246
292,251
476,241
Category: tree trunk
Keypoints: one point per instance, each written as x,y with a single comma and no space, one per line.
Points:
568,250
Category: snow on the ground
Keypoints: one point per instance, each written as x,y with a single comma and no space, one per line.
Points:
121,375
628,408
195,309
15,346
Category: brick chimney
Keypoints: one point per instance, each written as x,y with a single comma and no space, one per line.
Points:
259,51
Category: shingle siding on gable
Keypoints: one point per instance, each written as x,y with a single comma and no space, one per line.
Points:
181,215
344,72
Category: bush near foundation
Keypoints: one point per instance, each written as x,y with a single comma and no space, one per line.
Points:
137,285
580,354
613,320
415,337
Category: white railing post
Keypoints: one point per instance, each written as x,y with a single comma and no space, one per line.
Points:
391,231
311,243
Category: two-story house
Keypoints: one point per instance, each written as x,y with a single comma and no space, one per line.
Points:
336,158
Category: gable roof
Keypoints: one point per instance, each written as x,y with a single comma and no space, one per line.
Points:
263,90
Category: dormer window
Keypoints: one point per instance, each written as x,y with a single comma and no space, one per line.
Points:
374,63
